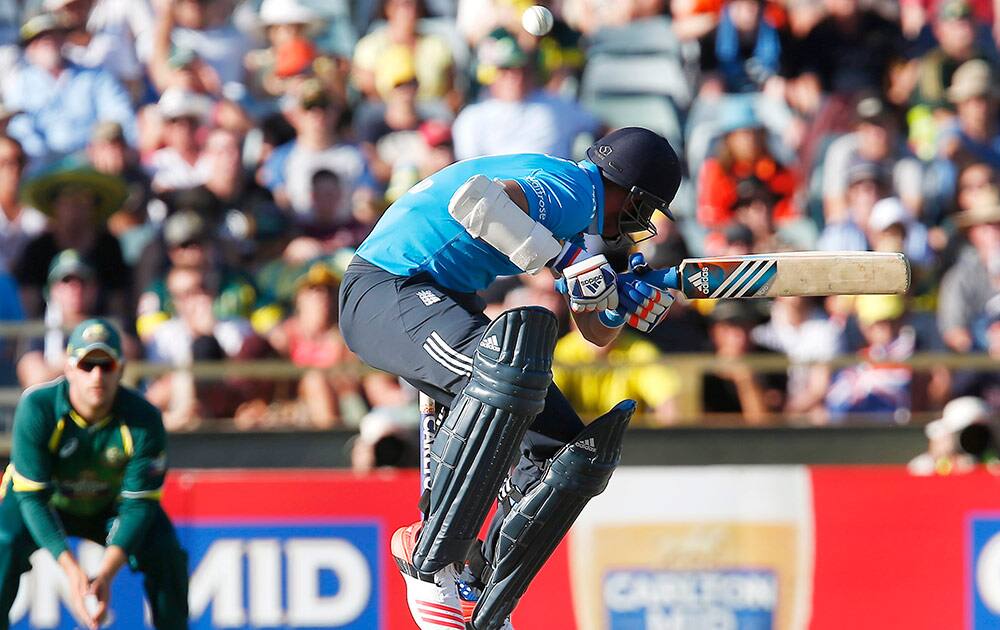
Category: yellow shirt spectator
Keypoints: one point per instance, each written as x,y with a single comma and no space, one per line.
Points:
431,57
593,390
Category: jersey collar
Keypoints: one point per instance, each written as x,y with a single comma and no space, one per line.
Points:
597,224
64,409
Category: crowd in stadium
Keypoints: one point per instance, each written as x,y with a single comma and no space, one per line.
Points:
201,171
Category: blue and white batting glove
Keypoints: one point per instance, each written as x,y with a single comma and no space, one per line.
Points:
642,305
591,285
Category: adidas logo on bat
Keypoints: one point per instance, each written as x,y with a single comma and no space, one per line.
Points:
490,343
699,280
588,445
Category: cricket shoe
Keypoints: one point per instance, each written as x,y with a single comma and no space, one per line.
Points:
433,600
469,590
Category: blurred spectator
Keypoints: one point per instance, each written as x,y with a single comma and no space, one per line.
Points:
848,51
742,153
754,209
800,329
289,169
944,455
883,386
743,52
103,34
189,245
78,199
517,117
431,55
195,334
310,338
194,29
914,16
975,130
439,148
70,298
60,102
386,437
629,368
287,25
19,223
974,279
694,19
893,228
876,138
387,132
984,383
866,184
926,82
109,154
178,163
885,226
589,16
733,387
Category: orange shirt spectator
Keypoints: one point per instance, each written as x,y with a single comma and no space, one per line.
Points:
742,154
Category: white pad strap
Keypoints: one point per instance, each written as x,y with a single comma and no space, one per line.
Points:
483,208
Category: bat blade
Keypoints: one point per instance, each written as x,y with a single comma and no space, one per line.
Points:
794,273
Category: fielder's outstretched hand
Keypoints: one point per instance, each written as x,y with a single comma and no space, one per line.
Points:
642,305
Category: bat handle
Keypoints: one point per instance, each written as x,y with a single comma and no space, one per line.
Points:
668,278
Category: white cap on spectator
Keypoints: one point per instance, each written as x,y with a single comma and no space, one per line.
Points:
178,103
888,212
275,12
957,415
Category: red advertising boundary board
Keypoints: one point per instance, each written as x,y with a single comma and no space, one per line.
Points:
892,550
388,497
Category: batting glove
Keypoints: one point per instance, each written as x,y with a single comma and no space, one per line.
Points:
590,285
643,305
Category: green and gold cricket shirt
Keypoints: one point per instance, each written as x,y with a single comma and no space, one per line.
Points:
115,466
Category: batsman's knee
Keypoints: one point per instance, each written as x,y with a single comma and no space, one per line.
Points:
480,439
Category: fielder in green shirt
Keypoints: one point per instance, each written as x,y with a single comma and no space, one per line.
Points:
88,460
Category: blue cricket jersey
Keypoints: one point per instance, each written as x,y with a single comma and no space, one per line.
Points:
417,234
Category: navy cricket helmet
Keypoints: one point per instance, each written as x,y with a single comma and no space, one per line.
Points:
644,164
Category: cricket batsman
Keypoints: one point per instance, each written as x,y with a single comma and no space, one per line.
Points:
88,460
408,305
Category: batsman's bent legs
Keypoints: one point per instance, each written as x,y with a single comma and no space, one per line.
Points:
533,526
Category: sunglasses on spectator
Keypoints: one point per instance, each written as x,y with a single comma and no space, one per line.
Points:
106,365
187,244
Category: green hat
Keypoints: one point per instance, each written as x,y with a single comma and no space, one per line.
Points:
69,263
41,191
502,50
91,335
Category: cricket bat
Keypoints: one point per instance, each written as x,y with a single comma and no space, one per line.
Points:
793,273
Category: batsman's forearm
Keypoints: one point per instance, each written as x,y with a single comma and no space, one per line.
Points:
593,330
